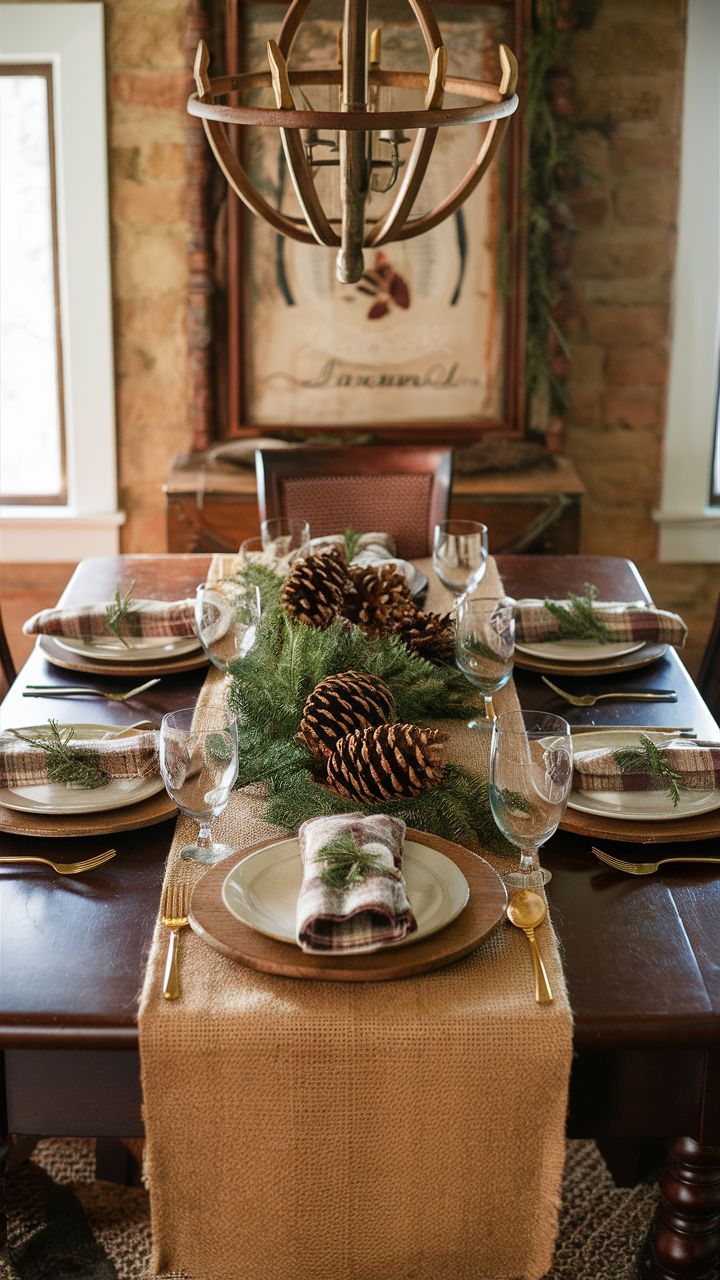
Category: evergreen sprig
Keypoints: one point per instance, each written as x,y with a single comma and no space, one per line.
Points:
648,759
579,621
345,863
64,765
352,539
116,612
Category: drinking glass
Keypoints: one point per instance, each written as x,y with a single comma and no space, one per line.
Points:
531,767
460,554
485,647
285,537
227,613
199,768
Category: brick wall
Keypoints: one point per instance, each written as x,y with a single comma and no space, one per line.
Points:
148,84
628,72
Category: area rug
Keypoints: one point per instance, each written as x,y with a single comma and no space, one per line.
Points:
63,1225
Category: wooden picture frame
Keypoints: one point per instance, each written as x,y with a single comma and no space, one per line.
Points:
491,402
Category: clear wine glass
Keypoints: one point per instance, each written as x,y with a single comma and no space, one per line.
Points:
199,768
284,537
227,613
460,554
485,647
531,768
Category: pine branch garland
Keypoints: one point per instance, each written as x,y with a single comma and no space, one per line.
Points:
648,759
345,863
352,541
579,621
63,765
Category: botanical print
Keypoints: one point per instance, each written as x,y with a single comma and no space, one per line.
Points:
420,337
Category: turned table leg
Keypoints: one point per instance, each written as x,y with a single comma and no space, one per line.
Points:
684,1240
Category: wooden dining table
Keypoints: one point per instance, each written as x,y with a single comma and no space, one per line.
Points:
641,955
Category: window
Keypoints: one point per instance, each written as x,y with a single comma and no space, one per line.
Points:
689,515
57,400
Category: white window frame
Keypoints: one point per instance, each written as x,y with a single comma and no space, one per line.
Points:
689,526
71,38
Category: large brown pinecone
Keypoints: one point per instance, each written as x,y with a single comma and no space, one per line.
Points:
340,704
386,762
315,588
378,599
432,635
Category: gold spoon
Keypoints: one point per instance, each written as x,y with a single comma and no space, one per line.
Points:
527,910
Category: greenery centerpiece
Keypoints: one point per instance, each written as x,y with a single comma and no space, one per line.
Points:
271,686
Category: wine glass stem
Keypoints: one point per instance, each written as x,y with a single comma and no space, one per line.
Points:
204,839
527,861
489,708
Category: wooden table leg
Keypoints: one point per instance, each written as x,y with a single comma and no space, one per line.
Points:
684,1240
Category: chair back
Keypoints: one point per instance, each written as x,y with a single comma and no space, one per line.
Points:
392,489
709,674
7,666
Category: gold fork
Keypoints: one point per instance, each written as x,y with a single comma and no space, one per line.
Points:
65,868
173,914
589,699
646,868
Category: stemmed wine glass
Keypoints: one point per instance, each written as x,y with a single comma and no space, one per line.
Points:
227,613
460,554
485,647
531,768
285,537
199,768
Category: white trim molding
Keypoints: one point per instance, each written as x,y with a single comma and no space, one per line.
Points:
71,38
689,527
56,535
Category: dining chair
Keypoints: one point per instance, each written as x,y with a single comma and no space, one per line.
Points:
396,489
709,675
7,666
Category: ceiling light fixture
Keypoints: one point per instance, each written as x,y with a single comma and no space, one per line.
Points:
358,132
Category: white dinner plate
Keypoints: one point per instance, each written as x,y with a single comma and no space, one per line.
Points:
637,806
60,798
262,890
578,650
138,649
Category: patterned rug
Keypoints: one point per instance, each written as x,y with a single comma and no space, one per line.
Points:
62,1225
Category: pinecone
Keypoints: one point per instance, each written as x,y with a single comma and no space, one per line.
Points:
386,762
341,704
378,599
315,588
432,635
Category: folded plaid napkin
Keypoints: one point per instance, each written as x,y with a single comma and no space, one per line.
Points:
23,765
353,893
148,619
691,765
637,621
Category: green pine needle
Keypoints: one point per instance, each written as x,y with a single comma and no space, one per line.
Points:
345,863
64,765
256,574
352,539
121,607
579,621
648,759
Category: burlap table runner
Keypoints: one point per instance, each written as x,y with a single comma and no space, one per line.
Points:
410,1130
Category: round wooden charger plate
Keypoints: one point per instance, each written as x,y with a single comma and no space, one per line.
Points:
147,813
705,826
116,670
212,921
626,662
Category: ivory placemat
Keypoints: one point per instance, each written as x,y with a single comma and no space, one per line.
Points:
312,1131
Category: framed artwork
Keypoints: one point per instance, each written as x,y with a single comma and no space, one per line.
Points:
429,340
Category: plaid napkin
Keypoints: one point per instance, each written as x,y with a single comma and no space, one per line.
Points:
149,619
636,621
22,765
371,909
694,765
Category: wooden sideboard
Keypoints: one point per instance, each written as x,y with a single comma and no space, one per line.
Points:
213,507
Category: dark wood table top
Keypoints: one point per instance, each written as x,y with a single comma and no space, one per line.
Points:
641,956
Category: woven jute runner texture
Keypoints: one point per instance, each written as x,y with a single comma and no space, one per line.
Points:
328,1131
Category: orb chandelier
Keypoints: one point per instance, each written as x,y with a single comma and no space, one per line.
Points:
364,143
